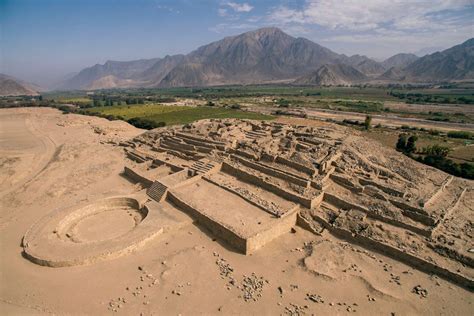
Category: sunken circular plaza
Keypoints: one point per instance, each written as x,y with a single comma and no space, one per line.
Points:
89,233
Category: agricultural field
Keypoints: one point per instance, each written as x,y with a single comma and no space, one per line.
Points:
75,100
384,103
173,115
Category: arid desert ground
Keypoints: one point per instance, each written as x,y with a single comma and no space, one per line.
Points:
55,166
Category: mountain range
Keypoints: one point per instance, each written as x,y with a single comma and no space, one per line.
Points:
269,55
10,86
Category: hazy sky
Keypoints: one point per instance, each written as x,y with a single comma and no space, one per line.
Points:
42,40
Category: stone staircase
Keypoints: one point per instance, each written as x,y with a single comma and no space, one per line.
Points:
201,167
255,134
157,191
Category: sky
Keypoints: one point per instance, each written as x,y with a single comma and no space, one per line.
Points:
42,41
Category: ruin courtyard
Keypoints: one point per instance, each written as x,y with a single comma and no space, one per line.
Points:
316,201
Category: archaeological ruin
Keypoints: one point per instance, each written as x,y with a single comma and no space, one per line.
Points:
249,182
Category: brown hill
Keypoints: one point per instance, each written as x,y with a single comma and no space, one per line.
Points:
331,75
12,86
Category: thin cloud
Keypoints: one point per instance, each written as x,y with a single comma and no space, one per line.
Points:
239,7
369,14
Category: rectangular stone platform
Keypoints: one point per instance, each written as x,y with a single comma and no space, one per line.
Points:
241,224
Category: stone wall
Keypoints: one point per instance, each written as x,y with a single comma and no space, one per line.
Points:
345,205
326,163
136,177
295,165
281,226
414,213
216,228
173,167
382,187
347,183
250,178
397,254
272,172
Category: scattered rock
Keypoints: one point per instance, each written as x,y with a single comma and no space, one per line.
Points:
314,298
252,287
423,293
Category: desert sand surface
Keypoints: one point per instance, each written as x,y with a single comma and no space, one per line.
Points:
55,166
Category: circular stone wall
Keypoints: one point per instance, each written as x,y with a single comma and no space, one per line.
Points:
83,235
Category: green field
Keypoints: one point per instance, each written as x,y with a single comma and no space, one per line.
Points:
173,115
75,100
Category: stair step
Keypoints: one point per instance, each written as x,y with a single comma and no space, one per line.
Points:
157,191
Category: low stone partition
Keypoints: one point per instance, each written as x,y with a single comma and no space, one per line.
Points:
382,187
173,167
347,183
342,204
202,147
321,181
250,178
438,192
252,198
295,165
197,143
272,171
414,213
326,163
244,153
177,146
302,146
218,144
136,177
397,254
453,254
135,156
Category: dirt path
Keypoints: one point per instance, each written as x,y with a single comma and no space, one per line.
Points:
392,121
22,141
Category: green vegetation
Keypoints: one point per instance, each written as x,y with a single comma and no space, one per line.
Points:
74,100
448,96
172,115
461,134
435,156
131,111
368,122
406,145
465,170
436,150
145,123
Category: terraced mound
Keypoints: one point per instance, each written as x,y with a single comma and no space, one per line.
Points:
331,179
249,182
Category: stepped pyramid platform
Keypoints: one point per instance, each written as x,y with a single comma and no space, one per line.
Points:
250,182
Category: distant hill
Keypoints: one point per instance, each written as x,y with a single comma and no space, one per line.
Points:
364,64
393,74
118,69
399,60
331,75
269,55
455,63
10,86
